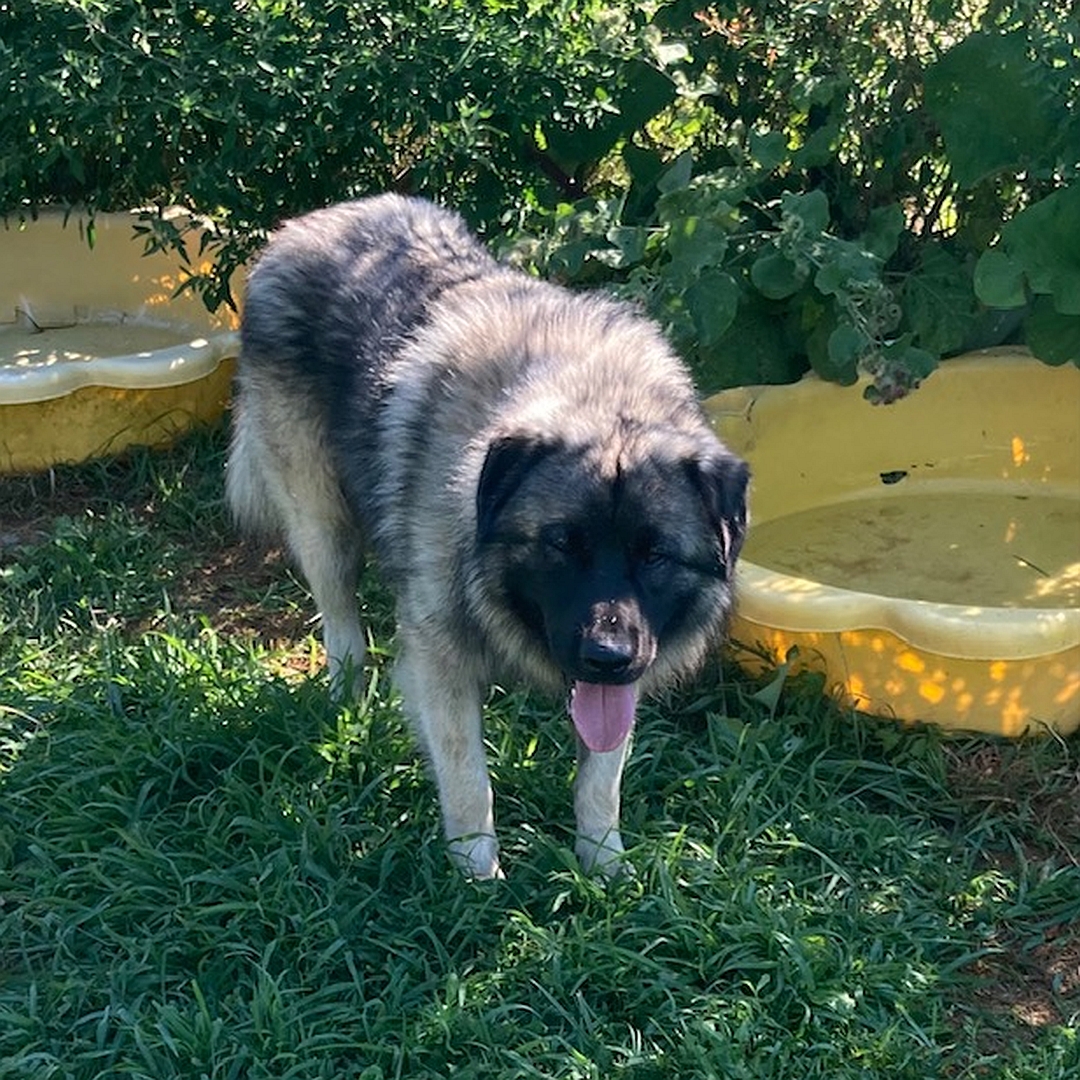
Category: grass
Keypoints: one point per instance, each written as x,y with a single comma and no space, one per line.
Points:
207,870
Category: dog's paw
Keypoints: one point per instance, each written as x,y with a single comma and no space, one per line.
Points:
603,856
476,856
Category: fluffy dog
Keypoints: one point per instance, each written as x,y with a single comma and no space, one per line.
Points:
530,467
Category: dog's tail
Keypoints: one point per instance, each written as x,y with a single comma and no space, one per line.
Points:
246,491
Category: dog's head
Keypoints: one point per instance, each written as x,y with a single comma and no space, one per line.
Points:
616,565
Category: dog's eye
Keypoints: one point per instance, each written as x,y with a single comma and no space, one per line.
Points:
650,553
652,558
564,539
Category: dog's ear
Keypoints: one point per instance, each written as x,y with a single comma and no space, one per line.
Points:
509,460
722,479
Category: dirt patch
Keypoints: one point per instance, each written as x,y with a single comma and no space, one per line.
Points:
1017,781
245,590
1032,979
241,588
1034,987
231,587
29,505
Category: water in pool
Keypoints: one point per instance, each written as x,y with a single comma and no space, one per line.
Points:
985,549
27,348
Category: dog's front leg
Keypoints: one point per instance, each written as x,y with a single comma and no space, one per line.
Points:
596,802
444,705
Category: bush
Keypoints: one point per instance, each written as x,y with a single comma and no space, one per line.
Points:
251,111
857,188
847,186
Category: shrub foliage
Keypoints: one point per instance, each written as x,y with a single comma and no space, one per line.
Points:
847,186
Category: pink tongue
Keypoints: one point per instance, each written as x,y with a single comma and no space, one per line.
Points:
602,715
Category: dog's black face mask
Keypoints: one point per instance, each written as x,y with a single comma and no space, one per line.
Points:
604,573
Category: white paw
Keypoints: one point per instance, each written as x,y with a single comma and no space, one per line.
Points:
603,855
476,856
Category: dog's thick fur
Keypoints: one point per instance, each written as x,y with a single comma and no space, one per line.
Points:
530,467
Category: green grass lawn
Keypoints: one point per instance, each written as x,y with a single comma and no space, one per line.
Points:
208,870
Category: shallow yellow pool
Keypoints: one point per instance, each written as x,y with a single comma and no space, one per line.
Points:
925,555
98,351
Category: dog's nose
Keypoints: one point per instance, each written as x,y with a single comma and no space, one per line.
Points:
606,657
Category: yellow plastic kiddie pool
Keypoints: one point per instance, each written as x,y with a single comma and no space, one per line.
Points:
97,350
925,555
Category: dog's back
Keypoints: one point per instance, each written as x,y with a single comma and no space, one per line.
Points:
333,295
335,288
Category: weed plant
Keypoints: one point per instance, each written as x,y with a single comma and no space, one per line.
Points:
208,870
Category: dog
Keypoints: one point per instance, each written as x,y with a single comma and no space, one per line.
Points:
530,467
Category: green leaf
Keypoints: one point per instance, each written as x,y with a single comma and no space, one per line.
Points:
644,167
883,231
938,300
847,345
999,280
713,195
1045,240
992,113
567,260
776,276
835,348
713,301
811,208
630,241
919,361
902,353
846,266
768,149
678,176
646,92
1052,336
769,695
820,148
758,347
694,243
